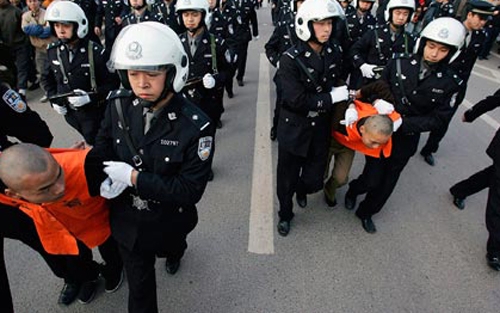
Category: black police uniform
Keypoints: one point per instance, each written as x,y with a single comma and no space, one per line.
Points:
202,62
154,218
146,16
108,11
463,66
282,39
377,47
219,23
358,25
89,7
423,103
166,14
304,121
66,76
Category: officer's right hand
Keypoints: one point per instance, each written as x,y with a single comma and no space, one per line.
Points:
396,124
367,70
339,94
119,171
208,81
350,117
383,107
60,109
112,189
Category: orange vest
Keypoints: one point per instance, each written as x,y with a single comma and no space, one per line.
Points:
353,139
76,216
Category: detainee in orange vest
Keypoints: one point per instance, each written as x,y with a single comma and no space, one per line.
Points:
367,128
59,190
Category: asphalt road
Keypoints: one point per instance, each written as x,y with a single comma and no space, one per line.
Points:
427,256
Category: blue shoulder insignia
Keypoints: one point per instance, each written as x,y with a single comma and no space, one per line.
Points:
119,93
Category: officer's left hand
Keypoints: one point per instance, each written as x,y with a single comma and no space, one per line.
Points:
81,98
208,81
119,171
383,107
350,116
340,93
111,189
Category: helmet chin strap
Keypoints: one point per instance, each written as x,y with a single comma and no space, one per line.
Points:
152,104
138,7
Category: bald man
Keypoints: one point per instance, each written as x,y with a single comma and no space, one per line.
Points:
58,191
366,128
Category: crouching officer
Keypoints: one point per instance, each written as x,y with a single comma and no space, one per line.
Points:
161,146
308,72
78,77
423,95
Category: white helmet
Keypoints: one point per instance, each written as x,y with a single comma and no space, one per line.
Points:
67,12
150,46
194,5
399,4
313,11
444,30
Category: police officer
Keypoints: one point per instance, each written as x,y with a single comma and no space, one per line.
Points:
283,37
139,12
165,9
161,146
89,7
423,87
109,11
376,47
360,20
309,74
77,68
478,12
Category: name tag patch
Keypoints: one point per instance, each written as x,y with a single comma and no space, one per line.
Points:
205,147
14,100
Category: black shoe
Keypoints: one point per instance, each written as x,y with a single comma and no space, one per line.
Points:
301,199
350,201
428,158
368,225
34,86
273,134
69,293
493,262
459,202
283,228
113,282
240,82
172,266
230,94
329,202
211,175
219,124
87,292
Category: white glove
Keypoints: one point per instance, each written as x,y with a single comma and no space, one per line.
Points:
112,189
383,107
208,81
80,100
339,94
396,124
367,70
119,172
350,117
60,109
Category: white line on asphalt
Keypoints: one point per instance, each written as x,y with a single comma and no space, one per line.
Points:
485,117
495,80
261,236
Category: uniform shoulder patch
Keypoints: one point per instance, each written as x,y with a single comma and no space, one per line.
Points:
54,44
293,52
195,115
14,101
119,93
205,147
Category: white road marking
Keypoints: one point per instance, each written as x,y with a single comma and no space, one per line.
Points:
261,235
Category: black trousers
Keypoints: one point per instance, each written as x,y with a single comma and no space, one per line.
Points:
493,213
277,105
297,174
474,184
86,121
380,176
242,51
435,136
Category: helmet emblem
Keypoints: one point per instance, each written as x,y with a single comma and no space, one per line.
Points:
331,7
134,50
56,13
443,33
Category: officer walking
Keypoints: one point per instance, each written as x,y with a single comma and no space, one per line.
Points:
478,12
78,73
161,146
423,87
309,72
139,12
109,12
376,47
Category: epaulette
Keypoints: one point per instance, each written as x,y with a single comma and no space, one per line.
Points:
293,52
195,115
459,81
119,93
54,44
401,55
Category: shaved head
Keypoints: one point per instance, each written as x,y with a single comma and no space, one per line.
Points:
379,124
20,161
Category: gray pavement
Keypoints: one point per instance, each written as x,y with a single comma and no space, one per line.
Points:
427,256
